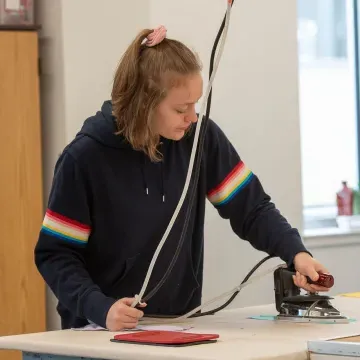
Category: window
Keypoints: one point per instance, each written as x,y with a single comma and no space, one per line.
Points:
328,73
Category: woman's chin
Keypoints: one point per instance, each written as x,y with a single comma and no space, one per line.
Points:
177,135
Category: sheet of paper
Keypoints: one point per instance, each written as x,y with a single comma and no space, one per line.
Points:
263,317
90,327
163,327
94,327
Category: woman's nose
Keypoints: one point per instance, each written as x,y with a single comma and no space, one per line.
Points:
191,117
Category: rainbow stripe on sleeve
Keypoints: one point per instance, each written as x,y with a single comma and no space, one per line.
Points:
238,178
64,228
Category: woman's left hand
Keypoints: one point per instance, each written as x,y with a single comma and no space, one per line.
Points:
305,265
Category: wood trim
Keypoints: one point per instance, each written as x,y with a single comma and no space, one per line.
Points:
23,296
9,27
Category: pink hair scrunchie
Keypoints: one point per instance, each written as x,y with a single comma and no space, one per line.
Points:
156,37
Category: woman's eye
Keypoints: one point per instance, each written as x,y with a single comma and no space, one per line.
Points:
181,111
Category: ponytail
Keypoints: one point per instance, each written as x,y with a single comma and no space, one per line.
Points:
125,81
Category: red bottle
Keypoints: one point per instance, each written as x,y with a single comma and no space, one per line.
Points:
344,200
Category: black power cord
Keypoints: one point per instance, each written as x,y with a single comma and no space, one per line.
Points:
227,303
192,192
195,174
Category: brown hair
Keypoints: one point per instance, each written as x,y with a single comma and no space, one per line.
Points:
142,79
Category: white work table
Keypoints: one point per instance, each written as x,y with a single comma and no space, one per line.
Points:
240,338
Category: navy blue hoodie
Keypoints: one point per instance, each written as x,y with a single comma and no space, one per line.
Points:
109,207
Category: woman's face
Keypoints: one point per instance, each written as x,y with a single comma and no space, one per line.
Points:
176,112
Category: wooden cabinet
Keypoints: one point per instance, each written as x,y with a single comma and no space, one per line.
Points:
22,290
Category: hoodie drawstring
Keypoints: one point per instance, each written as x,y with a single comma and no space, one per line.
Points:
143,173
142,168
162,181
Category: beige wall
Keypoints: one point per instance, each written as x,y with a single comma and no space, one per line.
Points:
255,101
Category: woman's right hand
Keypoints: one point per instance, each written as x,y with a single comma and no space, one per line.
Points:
122,316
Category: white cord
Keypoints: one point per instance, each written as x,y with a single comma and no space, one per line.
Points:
227,294
139,297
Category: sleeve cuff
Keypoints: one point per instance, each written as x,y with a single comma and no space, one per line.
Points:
297,250
96,307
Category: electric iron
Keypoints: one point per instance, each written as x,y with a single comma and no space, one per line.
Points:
296,307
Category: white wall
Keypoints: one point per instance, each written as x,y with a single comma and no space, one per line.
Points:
255,102
341,256
95,35
52,84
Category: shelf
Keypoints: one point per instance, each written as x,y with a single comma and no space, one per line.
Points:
8,27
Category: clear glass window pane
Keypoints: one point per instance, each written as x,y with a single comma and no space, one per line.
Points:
327,97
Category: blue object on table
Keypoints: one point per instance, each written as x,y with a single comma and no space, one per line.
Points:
34,356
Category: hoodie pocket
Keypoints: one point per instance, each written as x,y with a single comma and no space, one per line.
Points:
129,264
191,294
186,297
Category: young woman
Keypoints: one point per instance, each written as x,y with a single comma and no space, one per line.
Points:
117,184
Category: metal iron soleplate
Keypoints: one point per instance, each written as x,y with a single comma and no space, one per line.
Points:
318,310
307,319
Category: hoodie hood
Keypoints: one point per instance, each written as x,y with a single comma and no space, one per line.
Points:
102,128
